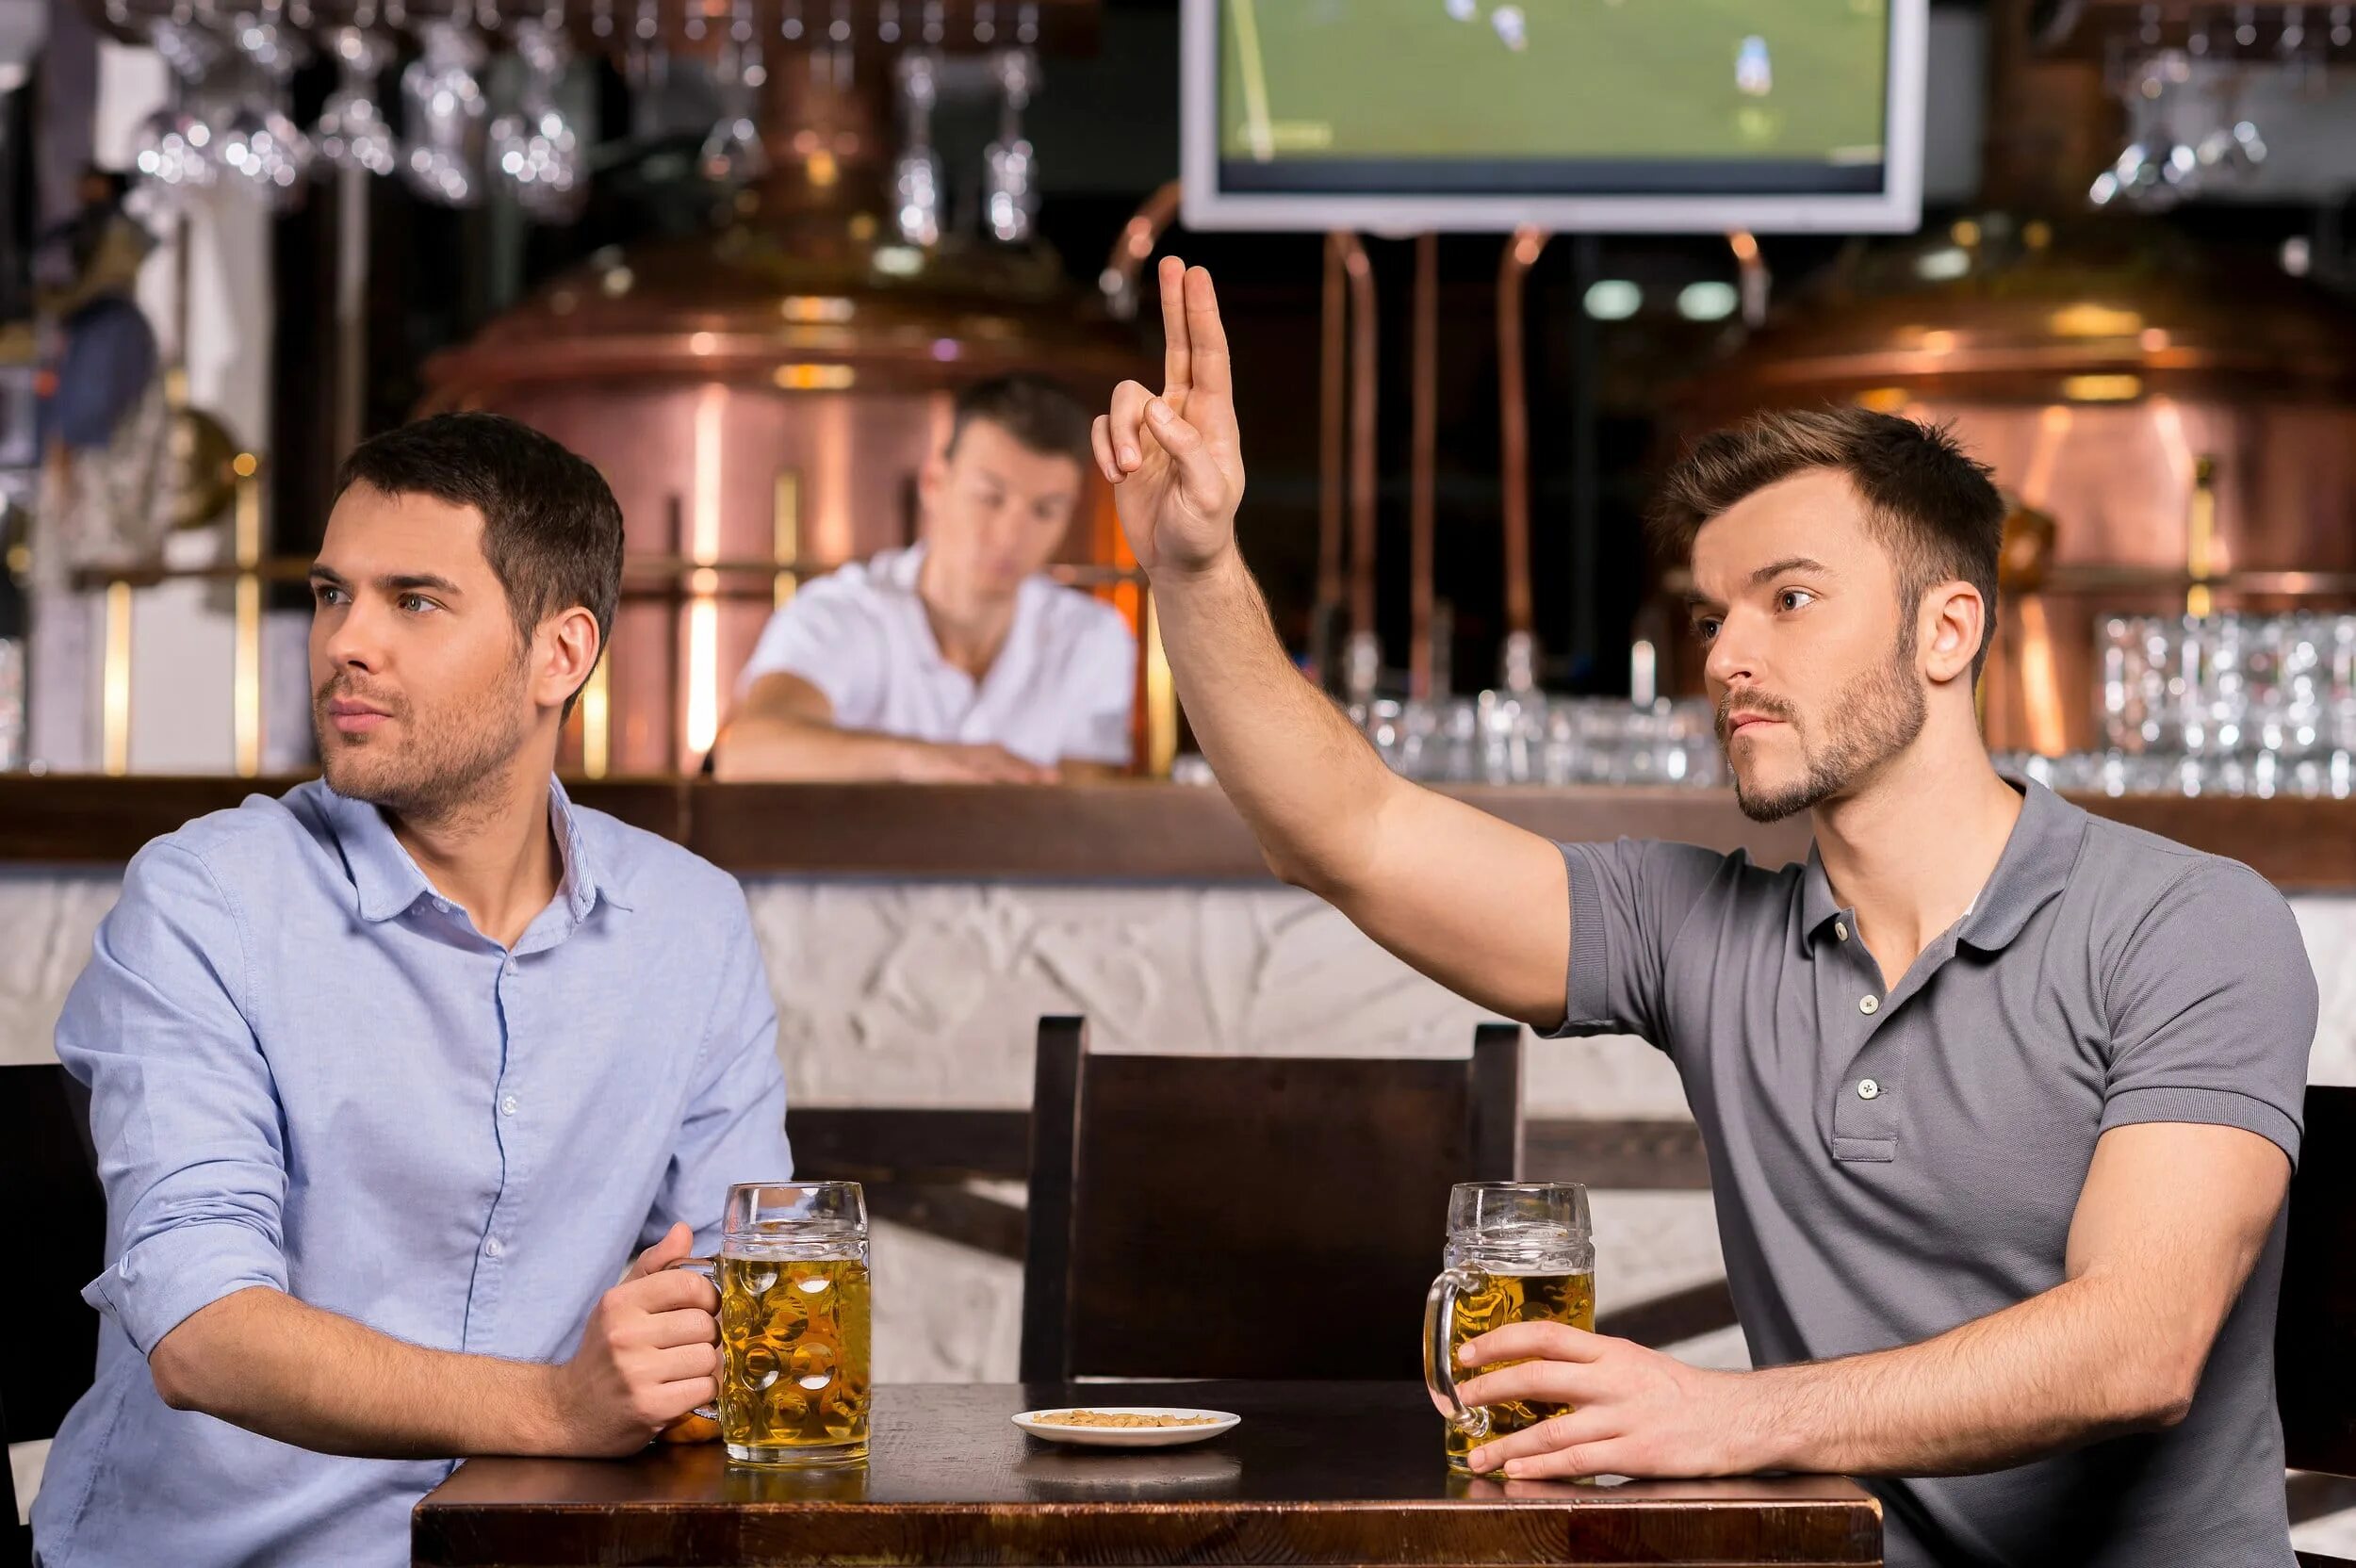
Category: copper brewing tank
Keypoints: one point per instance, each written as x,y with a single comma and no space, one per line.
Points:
2098,365
760,398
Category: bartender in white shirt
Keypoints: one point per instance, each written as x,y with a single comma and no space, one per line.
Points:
954,659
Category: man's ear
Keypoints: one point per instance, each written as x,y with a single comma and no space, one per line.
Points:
566,651
1953,620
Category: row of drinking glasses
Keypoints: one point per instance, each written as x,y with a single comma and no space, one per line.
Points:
2265,776
1529,738
228,123
2229,684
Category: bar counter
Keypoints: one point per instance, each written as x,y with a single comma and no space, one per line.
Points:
1114,832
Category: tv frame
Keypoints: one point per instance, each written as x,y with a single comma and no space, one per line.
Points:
1895,208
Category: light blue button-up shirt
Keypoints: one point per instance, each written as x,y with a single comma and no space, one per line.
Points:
310,1071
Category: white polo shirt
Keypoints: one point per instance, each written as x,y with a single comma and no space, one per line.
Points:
1060,690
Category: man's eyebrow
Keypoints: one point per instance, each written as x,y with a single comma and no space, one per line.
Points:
1789,563
405,583
321,572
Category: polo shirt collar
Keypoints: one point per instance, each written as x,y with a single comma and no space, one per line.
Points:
2032,870
2031,873
387,882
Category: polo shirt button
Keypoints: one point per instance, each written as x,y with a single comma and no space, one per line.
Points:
492,1248
1868,1089
1841,930
507,1106
1869,1005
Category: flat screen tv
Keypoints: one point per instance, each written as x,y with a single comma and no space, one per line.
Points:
1596,116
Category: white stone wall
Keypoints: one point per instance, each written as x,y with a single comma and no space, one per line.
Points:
893,993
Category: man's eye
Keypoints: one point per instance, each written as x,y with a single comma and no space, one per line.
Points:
1794,598
323,593
1705,628
417,604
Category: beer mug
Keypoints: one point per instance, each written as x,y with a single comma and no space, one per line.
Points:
1517,1253
794,1323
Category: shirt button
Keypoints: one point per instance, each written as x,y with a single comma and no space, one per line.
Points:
1869,1005
507,1106
492,1249
1841,930
442,904
1868,1089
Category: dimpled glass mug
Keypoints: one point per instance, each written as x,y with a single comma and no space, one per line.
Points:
794,1323
1517,1253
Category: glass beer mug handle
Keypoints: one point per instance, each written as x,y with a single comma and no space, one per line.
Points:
1439,1364
710,1269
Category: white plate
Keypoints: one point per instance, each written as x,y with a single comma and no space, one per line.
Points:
1128,1437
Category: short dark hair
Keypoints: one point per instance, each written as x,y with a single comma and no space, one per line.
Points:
1933,504
552,528
1040,413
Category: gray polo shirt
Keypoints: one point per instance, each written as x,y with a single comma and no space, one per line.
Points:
1890,1164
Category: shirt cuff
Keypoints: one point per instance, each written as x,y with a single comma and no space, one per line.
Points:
2206,1107
155,1286
1586,986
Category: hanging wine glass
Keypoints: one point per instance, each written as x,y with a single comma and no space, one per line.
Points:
535,150
442,97
352,132
734,154
916,177
261,144
1011,168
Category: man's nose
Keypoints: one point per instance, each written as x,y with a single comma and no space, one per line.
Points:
1733,653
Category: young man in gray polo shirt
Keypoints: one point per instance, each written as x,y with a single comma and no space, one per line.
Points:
2000,1099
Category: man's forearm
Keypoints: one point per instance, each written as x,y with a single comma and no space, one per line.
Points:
2062,1368
261,1360
1305,781
788,749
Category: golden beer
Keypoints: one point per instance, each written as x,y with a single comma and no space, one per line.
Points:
794,1345
1517,1253
1490,1303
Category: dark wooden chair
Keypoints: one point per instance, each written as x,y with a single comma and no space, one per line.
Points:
2314,1326
1220,1216
48,1334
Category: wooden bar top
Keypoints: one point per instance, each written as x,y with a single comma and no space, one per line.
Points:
1317,1473
1124,831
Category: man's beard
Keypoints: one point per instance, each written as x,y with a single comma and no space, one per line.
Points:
1880,713
442,767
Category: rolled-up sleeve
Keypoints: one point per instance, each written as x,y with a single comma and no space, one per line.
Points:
182,1107
2213,1009
734,1128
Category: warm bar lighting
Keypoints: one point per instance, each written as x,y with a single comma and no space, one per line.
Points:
1161,697
703,615
785,543
596,720
246,678
115,702
2102,389
813,378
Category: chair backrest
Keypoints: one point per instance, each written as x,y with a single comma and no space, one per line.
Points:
2314,1326
48,1334
1221,1217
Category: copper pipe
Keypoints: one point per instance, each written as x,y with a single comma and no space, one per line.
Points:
1362,386
1424,398
1132,248
1521,254
1332,361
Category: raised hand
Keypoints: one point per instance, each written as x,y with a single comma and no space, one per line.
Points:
1174,460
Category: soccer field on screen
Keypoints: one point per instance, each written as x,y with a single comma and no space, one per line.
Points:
1552,78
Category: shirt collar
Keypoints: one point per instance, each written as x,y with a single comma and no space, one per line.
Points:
2032,870
387,882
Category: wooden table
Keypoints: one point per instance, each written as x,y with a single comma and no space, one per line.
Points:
1317,1473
